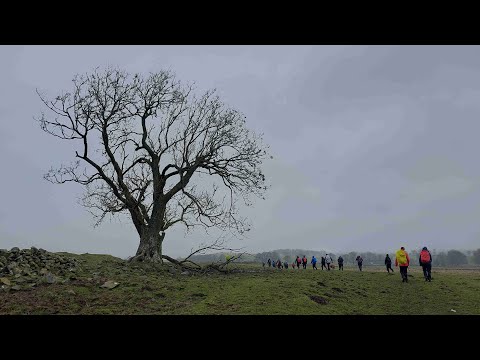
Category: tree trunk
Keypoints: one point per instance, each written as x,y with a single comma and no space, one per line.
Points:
150,248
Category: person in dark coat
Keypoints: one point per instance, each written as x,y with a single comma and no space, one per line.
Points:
340,263
323,263
359,260
388,263
425,261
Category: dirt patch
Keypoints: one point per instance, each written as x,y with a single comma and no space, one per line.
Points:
318,299
199,295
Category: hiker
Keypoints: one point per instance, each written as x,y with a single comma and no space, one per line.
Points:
340,263
279,264
269,262
293,265
323,263
388,263
285,265
328,260
314,262
299,261
402,259
359,260
425,261
304,262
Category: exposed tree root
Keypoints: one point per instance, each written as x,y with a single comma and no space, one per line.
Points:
186,264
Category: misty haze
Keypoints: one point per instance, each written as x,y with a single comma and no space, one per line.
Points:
373,147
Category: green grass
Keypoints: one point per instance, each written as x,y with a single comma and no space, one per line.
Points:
261,291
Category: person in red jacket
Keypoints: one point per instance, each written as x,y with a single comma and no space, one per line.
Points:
403,260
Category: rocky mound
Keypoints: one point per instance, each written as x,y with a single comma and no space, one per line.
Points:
26,268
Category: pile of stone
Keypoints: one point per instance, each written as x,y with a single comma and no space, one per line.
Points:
20,269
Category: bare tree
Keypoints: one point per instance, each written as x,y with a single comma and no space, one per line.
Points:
149,148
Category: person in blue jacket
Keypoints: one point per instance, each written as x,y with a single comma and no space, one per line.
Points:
314,262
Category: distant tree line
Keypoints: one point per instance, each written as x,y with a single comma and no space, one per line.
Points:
441,258
220,257
448,258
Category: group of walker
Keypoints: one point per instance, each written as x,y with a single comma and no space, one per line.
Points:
326,262
402,260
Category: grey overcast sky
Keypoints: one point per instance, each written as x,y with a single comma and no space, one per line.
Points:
374,146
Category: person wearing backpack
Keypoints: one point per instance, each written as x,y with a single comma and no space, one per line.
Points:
402,260
299,261
269,262
340,263
285,265
328,260
304,262
425,261
323,263
388,263
314,262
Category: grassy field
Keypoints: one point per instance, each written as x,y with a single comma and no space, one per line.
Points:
144,290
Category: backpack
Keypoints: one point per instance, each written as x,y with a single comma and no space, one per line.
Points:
401,257
425,256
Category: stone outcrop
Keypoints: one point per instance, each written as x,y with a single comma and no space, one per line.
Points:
22,269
